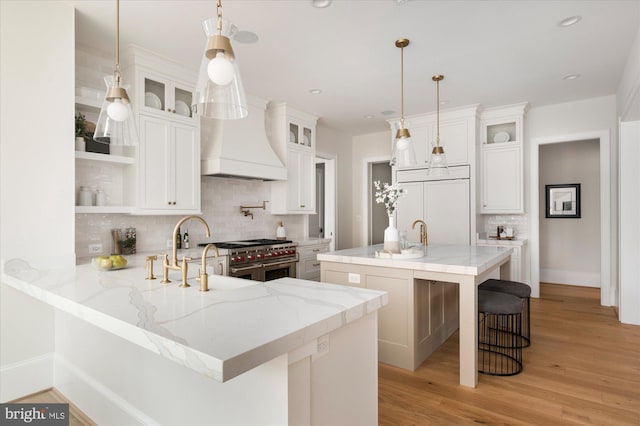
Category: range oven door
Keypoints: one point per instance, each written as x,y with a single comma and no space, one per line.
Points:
265,271
273,271
250,272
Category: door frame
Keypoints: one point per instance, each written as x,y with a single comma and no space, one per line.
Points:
330,197
607,285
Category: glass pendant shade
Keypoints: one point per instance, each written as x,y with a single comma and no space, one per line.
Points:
219,92
438,163
116,124
403,154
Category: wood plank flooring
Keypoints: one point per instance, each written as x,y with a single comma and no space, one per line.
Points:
582,368
76,417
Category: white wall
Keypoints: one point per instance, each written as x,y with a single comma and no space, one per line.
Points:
36,175
629,226
332,142
628,94
570,248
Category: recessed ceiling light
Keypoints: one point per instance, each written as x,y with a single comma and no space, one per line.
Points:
315,91
571,77
571,20
445,102
368,117
320,3
388,112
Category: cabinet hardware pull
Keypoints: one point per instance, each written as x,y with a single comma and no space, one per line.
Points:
316,250
169,202
302,205
316,264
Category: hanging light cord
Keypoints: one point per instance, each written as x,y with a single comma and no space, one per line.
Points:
219,13
438,112
402,87
116,74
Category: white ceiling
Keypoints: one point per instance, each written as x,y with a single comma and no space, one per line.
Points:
491,52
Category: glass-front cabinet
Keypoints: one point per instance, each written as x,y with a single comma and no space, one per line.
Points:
301,135
162,94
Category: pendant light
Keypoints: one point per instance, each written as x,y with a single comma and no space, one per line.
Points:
438,164
219,93
116,124
403,154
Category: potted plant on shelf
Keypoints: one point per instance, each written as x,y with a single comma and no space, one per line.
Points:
81,129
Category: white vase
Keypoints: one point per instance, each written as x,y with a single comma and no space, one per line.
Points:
392,237
80,144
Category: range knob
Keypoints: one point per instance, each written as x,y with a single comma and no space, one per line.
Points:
251,257
259,256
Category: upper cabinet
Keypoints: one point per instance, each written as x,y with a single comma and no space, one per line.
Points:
167,93
292,135
168,174
457,134
501,160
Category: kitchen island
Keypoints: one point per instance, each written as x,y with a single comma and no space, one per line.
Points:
432,292
135,351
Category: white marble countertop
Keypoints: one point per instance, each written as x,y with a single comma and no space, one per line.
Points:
221,333
455,259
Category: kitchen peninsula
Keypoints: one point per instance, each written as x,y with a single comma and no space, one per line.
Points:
135,351
432,292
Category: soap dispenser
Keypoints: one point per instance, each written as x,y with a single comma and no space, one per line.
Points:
280,231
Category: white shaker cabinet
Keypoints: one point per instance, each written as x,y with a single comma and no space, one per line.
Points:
169,167
444,204
501,156
291,134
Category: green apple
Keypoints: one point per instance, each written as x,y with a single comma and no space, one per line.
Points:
118,261
104,262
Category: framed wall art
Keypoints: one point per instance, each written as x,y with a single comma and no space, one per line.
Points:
563,201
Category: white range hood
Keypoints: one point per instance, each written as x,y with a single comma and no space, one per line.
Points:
240,148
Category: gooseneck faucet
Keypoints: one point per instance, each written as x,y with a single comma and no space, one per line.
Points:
204,277
423,230
173,264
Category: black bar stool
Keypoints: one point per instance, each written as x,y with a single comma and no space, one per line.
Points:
499,333
517,289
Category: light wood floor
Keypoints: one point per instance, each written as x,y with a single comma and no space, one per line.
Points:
76,417
582,368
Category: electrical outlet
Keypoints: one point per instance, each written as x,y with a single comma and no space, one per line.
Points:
322,348
354,278
95,248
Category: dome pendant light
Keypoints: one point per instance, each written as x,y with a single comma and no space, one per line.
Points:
116,124
438,164
220,93
403,154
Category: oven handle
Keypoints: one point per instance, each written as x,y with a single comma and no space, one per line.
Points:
263,265
246,268
284,262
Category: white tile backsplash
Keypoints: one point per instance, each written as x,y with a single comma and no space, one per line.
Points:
518,222
221,201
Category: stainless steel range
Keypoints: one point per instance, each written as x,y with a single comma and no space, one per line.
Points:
260,259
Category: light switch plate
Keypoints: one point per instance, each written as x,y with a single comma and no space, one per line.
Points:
95,248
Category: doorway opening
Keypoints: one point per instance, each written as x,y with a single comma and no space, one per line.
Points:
377,168
607,290
322,224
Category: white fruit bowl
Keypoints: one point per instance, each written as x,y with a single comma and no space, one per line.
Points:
109,263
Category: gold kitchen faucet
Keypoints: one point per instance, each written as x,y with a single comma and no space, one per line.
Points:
174,252
423,230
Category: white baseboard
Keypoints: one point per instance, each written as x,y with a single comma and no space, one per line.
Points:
577,278
26,377
94,399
